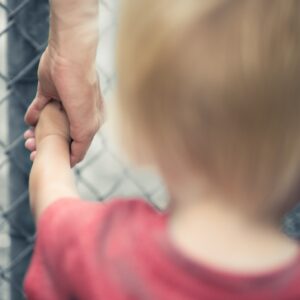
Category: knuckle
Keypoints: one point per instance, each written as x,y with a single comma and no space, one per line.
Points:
96,127
86,131
79,156
92,130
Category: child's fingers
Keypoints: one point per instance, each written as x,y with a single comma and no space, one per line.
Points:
29,133
30,144
32,155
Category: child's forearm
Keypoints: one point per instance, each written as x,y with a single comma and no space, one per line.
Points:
51,176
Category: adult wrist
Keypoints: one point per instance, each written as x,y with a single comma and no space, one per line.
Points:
74,29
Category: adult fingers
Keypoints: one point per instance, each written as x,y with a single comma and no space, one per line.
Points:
78,150
32,155
30,144
33,111
29,133
82,133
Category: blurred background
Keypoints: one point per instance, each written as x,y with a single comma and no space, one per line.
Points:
102,175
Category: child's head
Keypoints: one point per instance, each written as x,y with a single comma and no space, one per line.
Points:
215,86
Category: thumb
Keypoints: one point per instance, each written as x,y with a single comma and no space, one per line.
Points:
34,109
78,150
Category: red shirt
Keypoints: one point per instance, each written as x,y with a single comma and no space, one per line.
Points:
120,250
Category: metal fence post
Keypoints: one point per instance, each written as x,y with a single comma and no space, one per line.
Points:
102,174
26,40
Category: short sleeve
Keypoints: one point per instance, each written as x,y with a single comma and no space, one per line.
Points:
61,232
91,250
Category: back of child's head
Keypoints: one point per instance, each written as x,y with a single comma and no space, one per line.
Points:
216,84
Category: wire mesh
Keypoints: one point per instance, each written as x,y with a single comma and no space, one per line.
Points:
23,37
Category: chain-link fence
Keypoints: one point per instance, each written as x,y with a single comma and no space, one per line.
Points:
23,37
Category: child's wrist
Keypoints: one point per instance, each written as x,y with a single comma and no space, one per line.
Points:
53,139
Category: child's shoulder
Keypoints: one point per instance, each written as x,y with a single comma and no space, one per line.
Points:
79,241
70,217
70,208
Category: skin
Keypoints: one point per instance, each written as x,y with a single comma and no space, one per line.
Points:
202,225
51,176
201,222
68,76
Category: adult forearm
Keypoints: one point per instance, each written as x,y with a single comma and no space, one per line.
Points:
51,176
74,30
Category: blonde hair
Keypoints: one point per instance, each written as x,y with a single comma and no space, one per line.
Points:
219,83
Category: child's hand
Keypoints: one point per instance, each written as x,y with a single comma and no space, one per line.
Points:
53,121
51,176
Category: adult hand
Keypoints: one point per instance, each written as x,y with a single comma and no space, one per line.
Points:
77,87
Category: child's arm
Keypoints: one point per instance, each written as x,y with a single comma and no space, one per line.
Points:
51,176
